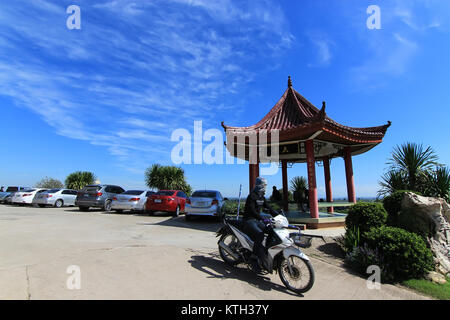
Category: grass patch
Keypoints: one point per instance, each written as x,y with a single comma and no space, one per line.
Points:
435,290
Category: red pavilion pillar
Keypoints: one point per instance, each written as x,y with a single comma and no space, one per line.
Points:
328,190
253,165
349,175
311,163
253,174
285,185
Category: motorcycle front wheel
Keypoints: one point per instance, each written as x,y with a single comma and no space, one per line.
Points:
232,242
301,279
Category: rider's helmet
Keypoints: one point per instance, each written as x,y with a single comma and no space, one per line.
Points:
260,185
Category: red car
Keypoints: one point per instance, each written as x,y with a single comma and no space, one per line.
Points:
172,201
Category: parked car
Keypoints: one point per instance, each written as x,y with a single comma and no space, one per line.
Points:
133,200
56,198
172,201
26,196
97,196
205,203
5,197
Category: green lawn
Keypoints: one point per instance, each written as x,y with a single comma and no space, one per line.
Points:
438,291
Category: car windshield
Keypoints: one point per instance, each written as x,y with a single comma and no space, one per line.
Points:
52,191
29,190
204,194
165,193
12,189
133,192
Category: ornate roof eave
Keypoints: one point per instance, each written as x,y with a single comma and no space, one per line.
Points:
349,134
312,120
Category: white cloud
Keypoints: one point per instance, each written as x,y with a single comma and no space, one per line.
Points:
323,52
137,69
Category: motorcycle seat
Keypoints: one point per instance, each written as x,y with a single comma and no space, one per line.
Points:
237,223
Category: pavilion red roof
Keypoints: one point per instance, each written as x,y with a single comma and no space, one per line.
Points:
298,119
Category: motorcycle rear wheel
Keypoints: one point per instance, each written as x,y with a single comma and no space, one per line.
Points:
231,241
302,278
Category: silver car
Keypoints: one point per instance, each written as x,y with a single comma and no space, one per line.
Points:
205,203
133,200
56,198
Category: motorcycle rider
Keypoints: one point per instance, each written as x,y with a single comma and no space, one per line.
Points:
254,225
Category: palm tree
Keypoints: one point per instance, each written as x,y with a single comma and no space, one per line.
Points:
299,187
167,177
439,185
78,180
413,161
391,181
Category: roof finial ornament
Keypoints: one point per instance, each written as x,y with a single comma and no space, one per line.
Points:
322,112
289,82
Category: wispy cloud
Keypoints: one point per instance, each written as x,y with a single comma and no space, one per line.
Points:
323,49
137,69
391,51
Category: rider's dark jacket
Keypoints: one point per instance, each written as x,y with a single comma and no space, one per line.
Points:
253,206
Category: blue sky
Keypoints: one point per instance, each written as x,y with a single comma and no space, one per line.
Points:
106,98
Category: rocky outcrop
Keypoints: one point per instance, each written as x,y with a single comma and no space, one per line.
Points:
435,213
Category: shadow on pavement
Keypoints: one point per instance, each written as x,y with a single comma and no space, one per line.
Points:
75,209
215,268
332,249
202,224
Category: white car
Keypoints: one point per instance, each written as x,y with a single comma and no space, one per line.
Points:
26,196
56,198
133,200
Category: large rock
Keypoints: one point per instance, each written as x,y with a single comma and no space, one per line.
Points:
435,213
435,277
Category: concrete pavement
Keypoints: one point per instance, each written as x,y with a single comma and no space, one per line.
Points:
140,257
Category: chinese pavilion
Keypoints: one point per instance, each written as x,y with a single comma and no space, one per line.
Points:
305,134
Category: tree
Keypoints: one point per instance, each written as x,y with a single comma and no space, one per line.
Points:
49,183
167,178
414,168
439,185
391,181
78,180
299,187
414,162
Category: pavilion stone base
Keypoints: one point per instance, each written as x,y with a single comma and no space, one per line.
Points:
324,221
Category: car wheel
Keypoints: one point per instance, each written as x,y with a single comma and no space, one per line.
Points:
84,209
107,206
59,203
177,212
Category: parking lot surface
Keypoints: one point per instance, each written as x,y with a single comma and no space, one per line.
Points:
128,256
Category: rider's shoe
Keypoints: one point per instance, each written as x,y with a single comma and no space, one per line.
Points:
256,266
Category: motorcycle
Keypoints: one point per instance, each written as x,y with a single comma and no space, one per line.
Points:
283,254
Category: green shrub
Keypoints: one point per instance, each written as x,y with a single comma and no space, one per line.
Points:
351,239
366,215
392,204
230,207
361,257
277,206
403,255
